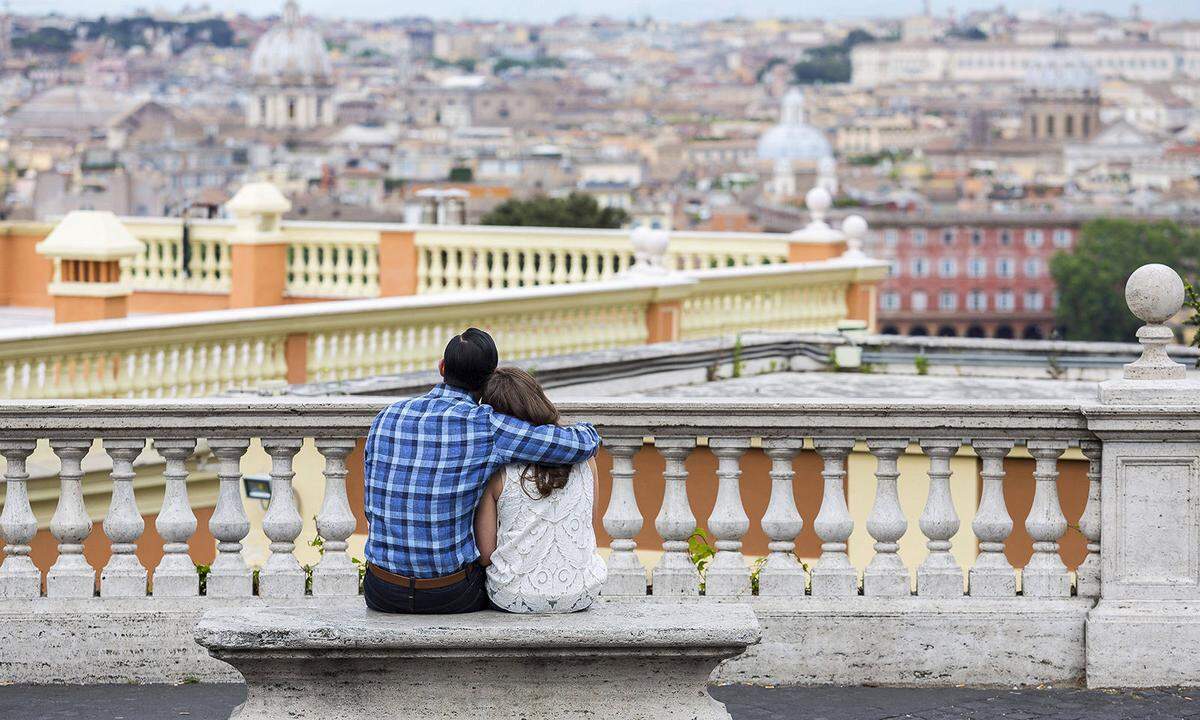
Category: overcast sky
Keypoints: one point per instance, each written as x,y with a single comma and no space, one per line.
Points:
666,9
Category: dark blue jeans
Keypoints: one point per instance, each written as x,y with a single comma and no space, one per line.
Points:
466,595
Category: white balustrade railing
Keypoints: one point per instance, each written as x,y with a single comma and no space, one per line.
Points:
481,258
334,261
674,429
165,265
724,301
207,353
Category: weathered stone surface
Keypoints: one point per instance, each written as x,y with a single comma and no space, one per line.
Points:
914,641
616,660
1143,644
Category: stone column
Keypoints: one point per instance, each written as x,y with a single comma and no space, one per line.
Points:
1145,630
398,266
258,250
88,249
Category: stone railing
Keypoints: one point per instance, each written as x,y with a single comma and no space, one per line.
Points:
196,354
479,258
161,267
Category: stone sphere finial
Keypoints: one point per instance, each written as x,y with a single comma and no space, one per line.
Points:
1154,293
649,247
854,227
818,201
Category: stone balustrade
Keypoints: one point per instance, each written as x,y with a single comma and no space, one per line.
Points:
672,429
206,353
1040,598
364,260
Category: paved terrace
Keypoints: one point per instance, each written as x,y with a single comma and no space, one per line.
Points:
215,702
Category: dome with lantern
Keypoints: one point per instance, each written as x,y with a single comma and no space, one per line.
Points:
291,52
793,138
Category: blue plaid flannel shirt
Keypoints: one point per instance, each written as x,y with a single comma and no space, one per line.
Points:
427,461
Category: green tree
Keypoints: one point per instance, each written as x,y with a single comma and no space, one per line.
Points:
575,210
1091,280
461,174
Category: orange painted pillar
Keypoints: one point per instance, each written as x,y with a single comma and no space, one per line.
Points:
258,249
662,321
257,274
398,263
861,303
813,251
295,355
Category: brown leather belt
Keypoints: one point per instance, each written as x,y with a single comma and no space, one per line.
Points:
419,583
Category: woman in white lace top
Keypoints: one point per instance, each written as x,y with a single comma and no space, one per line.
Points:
533,526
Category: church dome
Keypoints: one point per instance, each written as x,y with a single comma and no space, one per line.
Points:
291,52
793,138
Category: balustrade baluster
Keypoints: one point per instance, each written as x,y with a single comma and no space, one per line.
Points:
675,574
19,578
175,575
371,271
833,574
70,576
335,574
781,573
487,269
992,575
124,575
282,575
512,268
229,575
623,521
453,270
886,574
727,572
939,575
1045,575
1087,575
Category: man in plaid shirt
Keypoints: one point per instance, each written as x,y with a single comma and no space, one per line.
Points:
427,461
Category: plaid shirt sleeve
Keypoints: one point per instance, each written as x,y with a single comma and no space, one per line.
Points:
519,441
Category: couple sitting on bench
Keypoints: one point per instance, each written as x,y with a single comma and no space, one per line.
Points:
476,497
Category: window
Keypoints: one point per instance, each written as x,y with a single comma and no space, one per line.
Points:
977,267
918,237
920,301
947,268
1034,301
920,267
893,268
1033,267
1034,238
891,237
889,301
947,300
976,237
977,301
1062,238
1004,301
948,236
1006,237
1005,267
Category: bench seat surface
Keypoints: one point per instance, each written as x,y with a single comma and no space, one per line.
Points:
610,625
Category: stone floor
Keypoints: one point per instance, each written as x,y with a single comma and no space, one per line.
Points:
214,702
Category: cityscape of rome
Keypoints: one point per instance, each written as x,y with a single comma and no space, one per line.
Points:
867,334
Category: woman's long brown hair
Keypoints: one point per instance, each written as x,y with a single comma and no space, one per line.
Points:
514,392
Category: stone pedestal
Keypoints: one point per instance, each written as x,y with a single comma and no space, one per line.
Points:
258,250
90,283
1145,630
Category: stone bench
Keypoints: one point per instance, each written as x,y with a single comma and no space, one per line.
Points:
617,660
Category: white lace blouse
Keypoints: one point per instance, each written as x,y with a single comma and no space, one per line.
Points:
545,559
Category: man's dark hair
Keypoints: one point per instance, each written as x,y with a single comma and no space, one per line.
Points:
470,359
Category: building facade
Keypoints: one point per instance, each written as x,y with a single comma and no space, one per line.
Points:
984,276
